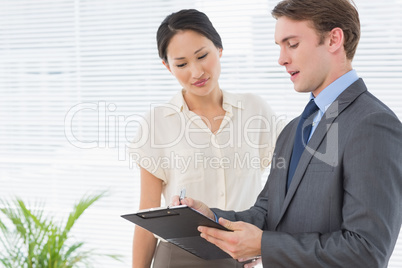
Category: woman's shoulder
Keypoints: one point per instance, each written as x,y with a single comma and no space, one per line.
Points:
252,102
164,110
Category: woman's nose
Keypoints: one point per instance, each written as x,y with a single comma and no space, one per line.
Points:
197,71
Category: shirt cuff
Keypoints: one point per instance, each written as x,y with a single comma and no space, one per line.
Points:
216,217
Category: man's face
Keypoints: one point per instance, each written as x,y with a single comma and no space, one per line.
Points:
305,59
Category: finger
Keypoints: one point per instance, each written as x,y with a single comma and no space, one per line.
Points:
199,206
249,265
221,235
188,201
216,241
175,201
185,201
213,232
214,235
229,224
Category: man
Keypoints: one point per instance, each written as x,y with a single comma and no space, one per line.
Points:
337,202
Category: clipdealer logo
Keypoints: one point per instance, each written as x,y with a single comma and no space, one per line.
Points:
329,152
99,125
200,160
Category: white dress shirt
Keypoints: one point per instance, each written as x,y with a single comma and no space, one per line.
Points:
223,169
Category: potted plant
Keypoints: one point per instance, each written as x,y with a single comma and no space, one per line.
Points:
31,239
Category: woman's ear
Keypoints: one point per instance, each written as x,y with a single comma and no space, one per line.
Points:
166,65
220,52
336,39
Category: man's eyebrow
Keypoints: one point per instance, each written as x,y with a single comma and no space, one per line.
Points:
182,58
286,39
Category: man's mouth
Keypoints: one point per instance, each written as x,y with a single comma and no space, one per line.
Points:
293,73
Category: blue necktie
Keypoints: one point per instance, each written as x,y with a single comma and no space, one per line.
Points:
301,137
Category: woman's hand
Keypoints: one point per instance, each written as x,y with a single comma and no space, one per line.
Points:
195,204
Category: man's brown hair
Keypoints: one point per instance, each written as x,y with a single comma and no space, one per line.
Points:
325,15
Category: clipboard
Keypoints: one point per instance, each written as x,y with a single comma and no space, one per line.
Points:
178,225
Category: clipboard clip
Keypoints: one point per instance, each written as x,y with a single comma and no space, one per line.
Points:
159,214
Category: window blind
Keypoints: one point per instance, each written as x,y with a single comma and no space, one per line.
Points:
77,75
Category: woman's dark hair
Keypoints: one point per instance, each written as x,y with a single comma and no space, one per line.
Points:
186,19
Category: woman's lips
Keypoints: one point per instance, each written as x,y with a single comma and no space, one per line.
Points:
200,83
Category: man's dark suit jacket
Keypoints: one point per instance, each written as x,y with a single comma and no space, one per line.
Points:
344,205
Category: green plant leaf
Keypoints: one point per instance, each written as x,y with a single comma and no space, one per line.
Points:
32,239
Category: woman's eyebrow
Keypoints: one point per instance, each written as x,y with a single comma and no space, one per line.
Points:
182,58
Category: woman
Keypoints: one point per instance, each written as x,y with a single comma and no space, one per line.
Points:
212,143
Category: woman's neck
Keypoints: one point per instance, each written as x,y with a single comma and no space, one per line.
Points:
201,103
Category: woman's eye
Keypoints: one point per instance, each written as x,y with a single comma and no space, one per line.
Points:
181,65
203,56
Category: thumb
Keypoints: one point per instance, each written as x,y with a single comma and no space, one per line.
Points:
228,224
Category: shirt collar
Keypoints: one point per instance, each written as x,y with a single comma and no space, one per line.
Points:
331,92
229,101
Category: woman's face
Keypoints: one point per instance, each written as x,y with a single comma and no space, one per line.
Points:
195,62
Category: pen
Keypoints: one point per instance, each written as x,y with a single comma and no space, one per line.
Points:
182,194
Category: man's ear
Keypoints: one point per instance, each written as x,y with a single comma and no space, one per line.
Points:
336,39
166,65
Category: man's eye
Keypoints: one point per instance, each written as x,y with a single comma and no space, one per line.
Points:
294,45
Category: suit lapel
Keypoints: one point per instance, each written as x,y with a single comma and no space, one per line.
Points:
332,113
283,172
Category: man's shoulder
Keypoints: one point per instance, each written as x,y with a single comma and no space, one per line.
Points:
376,104
361,101
367,104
